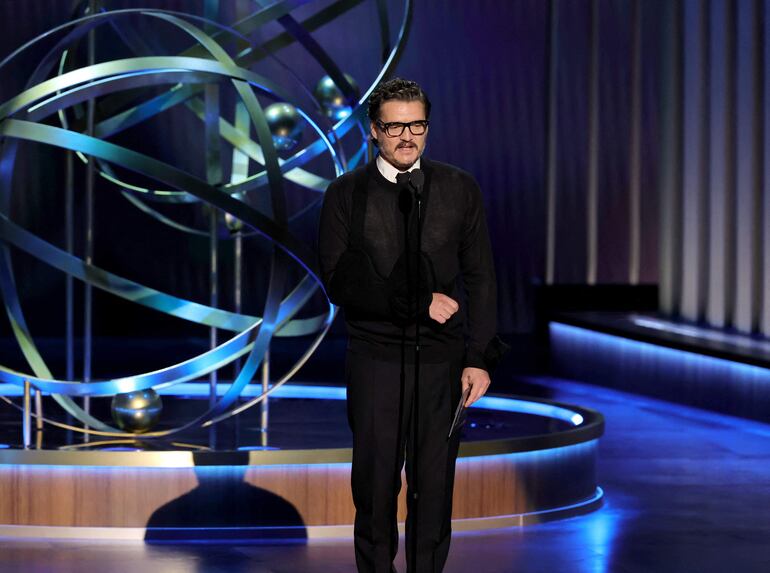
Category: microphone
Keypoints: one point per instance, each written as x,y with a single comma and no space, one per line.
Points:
416,181
403,178
413,179
405,196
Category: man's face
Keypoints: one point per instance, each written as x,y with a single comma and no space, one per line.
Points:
403,150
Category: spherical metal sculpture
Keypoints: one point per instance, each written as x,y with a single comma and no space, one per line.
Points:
286,125
136,412
46,112
331,99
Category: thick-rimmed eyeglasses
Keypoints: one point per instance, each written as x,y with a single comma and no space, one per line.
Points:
396,128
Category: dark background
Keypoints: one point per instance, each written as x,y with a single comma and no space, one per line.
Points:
491,69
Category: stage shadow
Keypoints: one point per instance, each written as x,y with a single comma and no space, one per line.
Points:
225,508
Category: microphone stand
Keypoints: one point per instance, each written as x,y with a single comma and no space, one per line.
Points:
416,406
405,206
416,180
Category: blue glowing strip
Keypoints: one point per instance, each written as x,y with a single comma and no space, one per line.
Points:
620,344
198,469
513,457
201,389
257,448
527,407
301,391
314,392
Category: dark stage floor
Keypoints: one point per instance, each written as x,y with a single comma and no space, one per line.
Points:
687,491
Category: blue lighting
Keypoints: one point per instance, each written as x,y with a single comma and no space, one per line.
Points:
313,392
4,446
201,389
537,456
306,391
528,407
198,469
599,537
120,449
603,344
646,368
257,448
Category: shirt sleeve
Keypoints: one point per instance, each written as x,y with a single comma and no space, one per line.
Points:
347,275
333,231
478,275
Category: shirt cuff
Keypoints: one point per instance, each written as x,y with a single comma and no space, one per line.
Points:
490,358
474,359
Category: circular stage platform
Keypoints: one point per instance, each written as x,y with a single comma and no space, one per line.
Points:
521,461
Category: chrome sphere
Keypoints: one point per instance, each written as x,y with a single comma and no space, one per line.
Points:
286,125
234,225
136,411
331,99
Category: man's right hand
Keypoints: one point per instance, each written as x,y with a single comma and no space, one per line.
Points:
442,307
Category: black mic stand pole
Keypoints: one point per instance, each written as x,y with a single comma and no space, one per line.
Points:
412,297
416,405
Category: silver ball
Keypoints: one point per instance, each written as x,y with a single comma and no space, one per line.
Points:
138,411
234,225
286,125
331,99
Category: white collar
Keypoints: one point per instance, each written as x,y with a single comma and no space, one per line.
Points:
389,172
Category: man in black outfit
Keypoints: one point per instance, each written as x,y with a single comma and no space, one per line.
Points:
371,267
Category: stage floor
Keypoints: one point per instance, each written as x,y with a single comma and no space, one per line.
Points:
686,491
291,481
294,424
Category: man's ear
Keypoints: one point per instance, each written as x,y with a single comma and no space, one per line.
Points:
373,132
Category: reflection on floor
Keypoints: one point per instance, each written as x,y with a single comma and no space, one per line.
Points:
687,491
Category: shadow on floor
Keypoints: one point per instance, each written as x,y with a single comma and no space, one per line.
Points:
225,508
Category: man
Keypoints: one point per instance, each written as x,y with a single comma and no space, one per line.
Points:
371,267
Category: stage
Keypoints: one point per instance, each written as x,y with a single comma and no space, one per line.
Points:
291,482
684,492
718,369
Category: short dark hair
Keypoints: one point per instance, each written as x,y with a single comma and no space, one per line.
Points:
396,89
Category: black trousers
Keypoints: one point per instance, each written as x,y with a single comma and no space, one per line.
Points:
380,413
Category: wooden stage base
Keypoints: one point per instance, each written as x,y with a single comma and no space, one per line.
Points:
517,480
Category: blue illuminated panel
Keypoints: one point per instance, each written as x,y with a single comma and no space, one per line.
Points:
668,373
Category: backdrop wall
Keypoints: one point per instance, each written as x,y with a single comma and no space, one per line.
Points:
607,135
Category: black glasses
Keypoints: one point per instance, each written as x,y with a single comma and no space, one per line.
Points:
396,128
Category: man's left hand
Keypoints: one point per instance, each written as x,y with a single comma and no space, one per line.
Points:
478,380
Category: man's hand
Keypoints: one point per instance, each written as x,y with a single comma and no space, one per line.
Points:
442,307
478,380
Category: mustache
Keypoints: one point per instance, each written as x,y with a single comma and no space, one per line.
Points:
400,145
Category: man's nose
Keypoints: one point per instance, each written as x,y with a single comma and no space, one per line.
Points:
407,135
